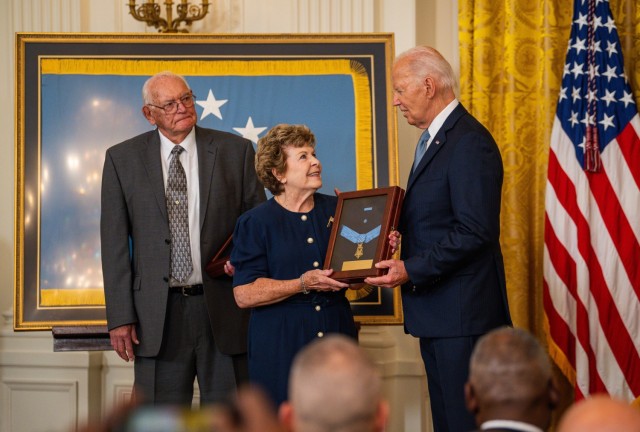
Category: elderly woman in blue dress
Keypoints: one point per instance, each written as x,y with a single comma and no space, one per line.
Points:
279,250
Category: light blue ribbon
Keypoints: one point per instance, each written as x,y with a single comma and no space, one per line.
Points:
355,237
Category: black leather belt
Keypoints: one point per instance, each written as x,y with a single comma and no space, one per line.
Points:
187,290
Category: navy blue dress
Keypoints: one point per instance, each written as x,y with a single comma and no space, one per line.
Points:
272,242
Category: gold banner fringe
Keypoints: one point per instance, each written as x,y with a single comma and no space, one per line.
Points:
71,297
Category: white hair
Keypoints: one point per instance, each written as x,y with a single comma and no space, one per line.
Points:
334,387
147,97
426,61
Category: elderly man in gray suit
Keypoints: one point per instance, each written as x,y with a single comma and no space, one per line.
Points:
170,199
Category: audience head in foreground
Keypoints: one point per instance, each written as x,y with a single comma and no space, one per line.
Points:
334,387
510,381
600,414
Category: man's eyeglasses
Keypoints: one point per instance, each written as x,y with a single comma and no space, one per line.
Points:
171,107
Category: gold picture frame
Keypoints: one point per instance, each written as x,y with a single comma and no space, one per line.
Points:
77,94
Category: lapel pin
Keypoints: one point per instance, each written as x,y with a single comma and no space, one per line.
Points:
330,221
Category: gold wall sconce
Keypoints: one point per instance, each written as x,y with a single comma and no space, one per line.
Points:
150,12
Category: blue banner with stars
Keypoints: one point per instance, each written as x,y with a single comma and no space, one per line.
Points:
96,103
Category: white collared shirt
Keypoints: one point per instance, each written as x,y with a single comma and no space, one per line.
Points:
189,161
439,120
510,424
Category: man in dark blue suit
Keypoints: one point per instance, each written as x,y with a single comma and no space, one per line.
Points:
451,268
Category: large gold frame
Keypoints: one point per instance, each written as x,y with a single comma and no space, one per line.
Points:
38,54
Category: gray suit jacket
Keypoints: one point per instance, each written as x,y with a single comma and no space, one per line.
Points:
134,231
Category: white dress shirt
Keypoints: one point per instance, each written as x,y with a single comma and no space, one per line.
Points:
439,120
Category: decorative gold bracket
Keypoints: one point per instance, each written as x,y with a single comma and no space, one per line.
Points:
150,12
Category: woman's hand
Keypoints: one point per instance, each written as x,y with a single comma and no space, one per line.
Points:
319,280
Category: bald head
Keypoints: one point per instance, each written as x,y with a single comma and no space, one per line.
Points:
509,364
334,386
151,85
510,378
601,414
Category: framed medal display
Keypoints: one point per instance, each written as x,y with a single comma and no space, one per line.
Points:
361,227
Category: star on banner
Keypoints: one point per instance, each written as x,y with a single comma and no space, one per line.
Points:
211,106
250,131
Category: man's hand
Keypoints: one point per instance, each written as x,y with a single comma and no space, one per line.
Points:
397,275
122,340
394,240
229,269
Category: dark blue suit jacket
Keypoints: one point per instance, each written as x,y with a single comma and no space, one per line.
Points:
451,228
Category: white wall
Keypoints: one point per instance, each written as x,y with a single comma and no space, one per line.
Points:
67,388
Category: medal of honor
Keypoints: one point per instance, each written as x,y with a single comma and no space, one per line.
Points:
359,239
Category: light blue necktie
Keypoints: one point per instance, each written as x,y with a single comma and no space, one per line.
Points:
421,148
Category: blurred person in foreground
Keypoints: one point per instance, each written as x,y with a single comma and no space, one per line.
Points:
600,413
510,385
451,269
334,387
279,249
170,199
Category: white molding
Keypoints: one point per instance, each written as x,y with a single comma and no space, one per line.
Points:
68,387
117,381
122,393
55,400
335,16
47,15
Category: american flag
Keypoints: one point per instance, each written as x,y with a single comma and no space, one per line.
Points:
592,218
